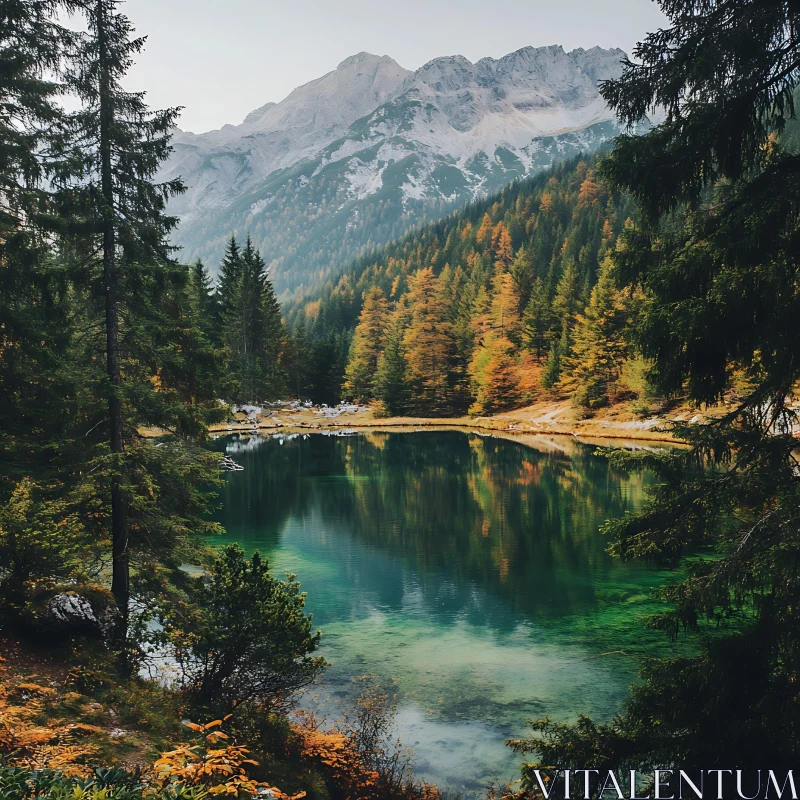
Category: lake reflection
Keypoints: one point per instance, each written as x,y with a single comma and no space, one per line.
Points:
469,569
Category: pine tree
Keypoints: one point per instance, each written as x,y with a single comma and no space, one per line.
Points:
567,298
254,331
368,341
524,276
36,327
189,364
391,379
118,146
328,360
32,47
230,274
202,291
539,321
297,361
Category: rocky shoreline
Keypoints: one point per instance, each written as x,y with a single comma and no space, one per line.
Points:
559,418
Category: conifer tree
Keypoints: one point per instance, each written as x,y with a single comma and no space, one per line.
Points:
189,363
501,245
560,351
539,321
202,290
567,298
504,311
428,341
36,326
599,344
32,49
368,342
297,359
495,375
230,274
254,331
391,379
109,193
524,276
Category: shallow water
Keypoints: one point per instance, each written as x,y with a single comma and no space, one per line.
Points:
469,569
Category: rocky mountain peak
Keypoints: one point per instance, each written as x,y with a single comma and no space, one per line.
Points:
358,155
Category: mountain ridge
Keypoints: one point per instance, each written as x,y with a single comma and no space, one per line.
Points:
354,158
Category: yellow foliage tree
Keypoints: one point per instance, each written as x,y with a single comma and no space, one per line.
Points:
494,375
368,342
428,341
504,314
501,247
485,229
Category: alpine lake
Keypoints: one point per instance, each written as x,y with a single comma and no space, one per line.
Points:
467,571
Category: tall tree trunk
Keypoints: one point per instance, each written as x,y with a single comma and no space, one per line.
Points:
120,578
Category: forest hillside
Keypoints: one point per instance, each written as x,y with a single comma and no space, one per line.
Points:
493,306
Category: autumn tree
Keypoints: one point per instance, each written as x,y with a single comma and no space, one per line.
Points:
367,345
504,309
428,342
501,248
494,374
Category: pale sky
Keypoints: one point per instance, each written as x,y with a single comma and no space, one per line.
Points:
223,58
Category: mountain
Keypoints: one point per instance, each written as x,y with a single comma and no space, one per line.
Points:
353,159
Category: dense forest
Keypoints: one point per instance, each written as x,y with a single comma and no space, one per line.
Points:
667,266
492,306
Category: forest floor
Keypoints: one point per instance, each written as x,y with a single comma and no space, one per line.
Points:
558,416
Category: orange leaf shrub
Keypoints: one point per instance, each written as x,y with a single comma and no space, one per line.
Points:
214,764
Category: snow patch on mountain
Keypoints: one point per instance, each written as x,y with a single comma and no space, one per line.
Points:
371,132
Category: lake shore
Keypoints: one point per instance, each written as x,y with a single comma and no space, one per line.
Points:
559,417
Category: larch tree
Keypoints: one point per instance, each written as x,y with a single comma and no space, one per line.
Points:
501,248
428,341
367,345
504,309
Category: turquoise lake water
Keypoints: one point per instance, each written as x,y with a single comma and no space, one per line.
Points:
469,570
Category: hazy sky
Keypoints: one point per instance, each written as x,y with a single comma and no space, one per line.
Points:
223,58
